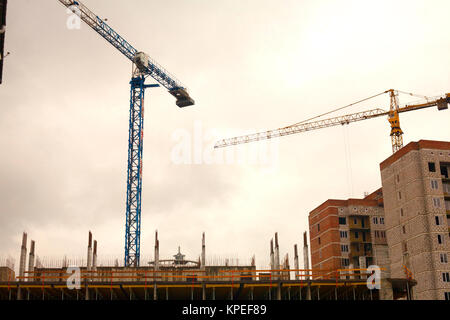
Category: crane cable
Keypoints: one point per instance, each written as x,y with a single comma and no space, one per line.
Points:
349,105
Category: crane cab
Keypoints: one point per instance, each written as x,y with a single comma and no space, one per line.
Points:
442,104
183,98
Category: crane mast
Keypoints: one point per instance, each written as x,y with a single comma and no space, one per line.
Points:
393,118
143,67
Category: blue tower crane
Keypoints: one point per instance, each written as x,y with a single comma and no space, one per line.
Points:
143,67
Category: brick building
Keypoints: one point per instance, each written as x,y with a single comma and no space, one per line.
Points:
347,234
416,189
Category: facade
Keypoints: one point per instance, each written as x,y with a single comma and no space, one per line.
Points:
416,189
7,274
349,234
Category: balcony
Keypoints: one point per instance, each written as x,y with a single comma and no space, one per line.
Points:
360,236
359,223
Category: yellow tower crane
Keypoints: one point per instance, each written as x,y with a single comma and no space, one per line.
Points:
307,125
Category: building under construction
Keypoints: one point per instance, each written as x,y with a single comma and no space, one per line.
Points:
182,279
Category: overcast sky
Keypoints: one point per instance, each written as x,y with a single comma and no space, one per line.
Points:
250,65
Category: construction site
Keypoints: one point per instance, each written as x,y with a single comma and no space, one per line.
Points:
391,244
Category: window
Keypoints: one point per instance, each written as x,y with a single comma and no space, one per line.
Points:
399,195
437,202
447,295
383,234
381,220
342,220
446,276
375,220
398,178
343,234
431,167
356,235
401,212
444,171
438,220
345,262
444,258
405,247
403,229
319,240
377,234
344,248
318,227
434,184
355,221
439,238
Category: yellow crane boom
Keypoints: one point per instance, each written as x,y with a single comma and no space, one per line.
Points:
393,117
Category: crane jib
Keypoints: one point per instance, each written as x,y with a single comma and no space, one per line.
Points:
154,70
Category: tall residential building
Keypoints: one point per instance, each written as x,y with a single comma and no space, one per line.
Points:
349,234
416,191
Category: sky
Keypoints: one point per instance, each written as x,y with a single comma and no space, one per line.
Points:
249,65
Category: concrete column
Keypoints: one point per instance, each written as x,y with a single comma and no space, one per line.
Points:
306,255
31,260
22,264
23,256
94,260
277,256
362,265
203,261
296,266
156,265
89,253
351,267
89,263
279,291
308,292
272,261
286,266
155,292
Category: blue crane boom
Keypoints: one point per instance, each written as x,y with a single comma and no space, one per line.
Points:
143,66
152,68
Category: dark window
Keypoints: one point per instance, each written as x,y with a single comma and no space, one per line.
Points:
318,227
345,262
404,229
446,277
444,171
319,240
439,239
447,296
431,167
356,235
342,220
437,220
